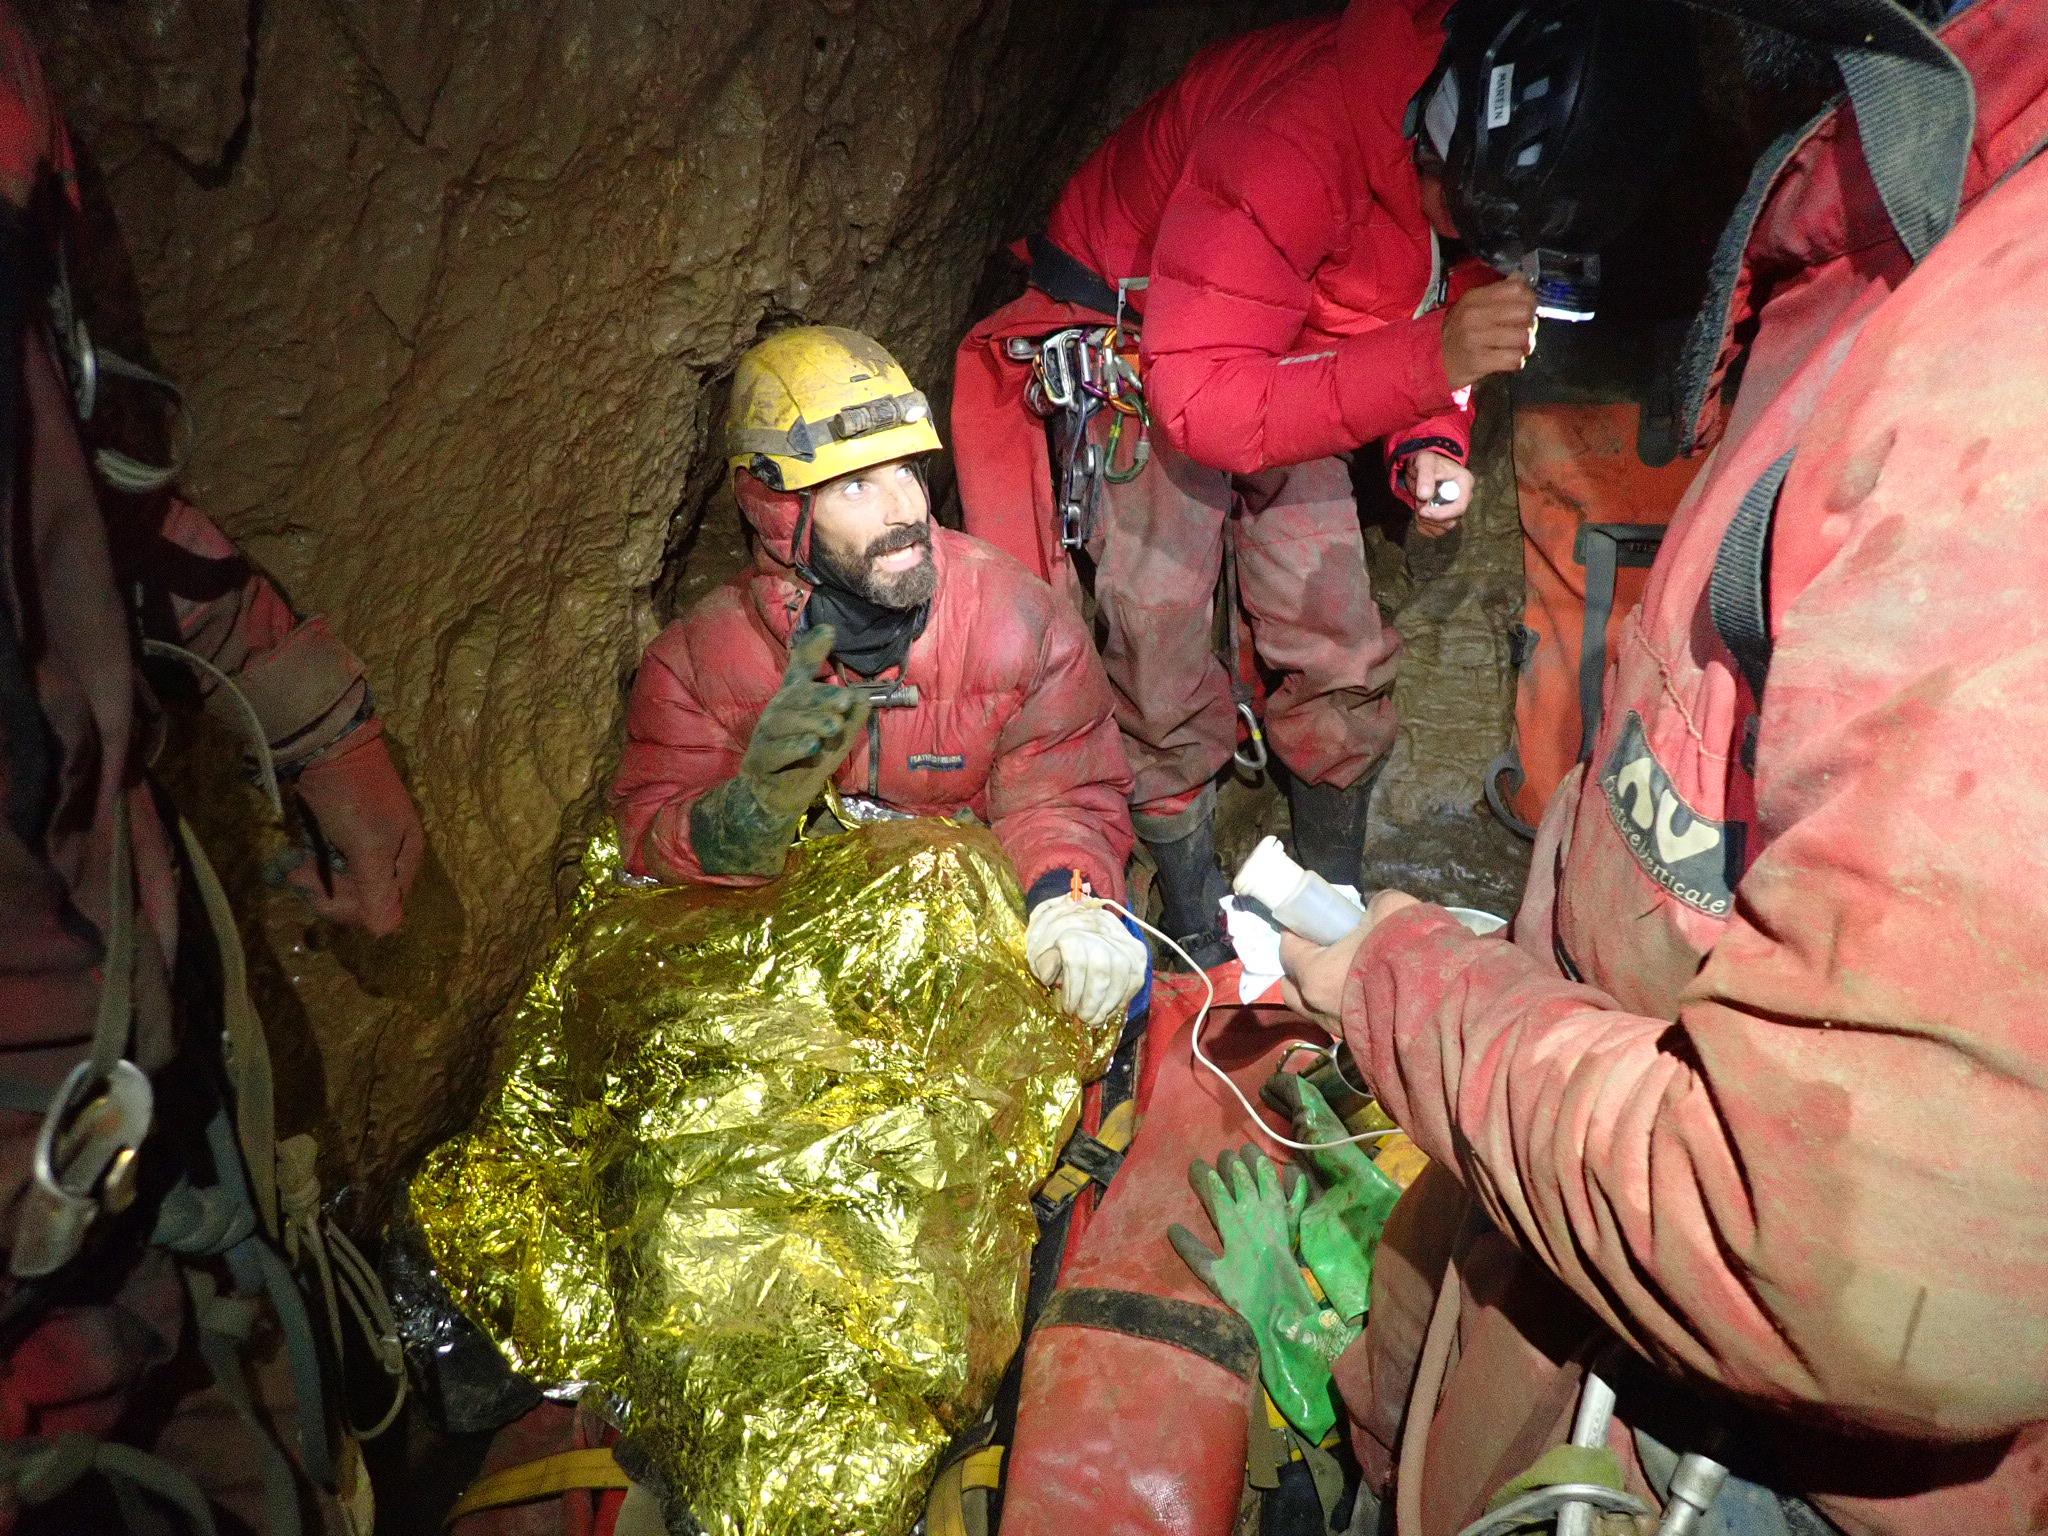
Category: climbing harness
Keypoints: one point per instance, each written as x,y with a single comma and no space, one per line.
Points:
1250,754
86,365
1077,374
263,1197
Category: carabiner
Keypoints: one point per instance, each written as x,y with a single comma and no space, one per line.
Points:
1256,763
1141,454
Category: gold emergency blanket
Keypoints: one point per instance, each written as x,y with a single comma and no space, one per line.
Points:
762,1166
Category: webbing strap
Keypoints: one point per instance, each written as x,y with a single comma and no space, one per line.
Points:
28,746
1063,276
1220,1337
1738,594
116,1017
37,1471
247,1051
561,1473
1603,549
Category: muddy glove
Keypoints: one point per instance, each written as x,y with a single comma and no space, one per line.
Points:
1081,947
1340,1229
367,834
1257,1278
743,827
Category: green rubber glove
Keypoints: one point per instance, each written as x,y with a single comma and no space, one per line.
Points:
1340,1229
1256,1276
744,826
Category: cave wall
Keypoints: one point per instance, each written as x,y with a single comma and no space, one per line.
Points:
453,291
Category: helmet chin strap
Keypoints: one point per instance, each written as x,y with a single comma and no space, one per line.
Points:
1916,106
803,539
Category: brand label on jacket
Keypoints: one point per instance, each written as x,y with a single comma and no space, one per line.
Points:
937,762
1695,859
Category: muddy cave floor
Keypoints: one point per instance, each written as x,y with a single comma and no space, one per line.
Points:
1460,858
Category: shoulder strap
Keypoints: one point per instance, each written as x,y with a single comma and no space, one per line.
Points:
1738,595
1603,549
1064,276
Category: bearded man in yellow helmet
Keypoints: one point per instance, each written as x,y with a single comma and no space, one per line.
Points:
922,672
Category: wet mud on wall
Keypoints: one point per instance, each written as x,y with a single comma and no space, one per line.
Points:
453,291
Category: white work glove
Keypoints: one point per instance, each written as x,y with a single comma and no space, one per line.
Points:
1083,949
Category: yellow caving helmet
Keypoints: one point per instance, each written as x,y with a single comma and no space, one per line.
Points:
817,402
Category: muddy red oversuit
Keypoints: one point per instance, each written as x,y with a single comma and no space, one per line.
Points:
1271,199
1789,1140
1012,722
73,738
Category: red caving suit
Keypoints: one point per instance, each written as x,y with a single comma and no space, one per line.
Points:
1013,719
75,729
1272,200
1788,1139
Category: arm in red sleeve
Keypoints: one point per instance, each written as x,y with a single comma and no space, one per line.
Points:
312,702
306,687
676,751
1230,384
1806,1210
1059,791
1822,1182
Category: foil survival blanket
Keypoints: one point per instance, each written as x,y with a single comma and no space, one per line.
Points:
762,1166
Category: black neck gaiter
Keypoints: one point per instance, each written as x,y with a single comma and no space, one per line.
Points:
870,638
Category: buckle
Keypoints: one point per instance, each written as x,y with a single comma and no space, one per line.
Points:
85,1162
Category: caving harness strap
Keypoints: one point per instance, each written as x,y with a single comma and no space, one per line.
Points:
1079,372
1603,549
86,1165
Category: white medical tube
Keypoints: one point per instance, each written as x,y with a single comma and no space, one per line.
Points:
1300,900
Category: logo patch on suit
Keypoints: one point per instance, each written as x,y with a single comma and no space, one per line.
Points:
1695,859
937,762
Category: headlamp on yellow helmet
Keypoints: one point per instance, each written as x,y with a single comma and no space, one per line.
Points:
818,401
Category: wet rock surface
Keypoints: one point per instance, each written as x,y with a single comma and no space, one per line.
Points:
1455,601
454,291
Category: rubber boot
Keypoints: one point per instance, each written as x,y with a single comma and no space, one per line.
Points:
1190,882
1329,826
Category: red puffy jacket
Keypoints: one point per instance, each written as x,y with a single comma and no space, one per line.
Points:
1013,720
1790,1138
1272,199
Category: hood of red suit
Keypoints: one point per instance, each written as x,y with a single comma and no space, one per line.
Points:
1385,50
773,515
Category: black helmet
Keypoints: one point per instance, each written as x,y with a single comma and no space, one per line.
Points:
1557,121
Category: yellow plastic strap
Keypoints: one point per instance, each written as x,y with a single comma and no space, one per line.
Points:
1118,1127
945,1510
551,1475
984,1469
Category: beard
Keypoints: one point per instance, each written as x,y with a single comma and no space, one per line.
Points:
902,590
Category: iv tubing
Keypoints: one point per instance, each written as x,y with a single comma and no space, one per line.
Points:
1257,1120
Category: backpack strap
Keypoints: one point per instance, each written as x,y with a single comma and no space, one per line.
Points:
1603,549
1738,593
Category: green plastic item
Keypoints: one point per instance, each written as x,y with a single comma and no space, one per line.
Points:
1256,1276
1341,1227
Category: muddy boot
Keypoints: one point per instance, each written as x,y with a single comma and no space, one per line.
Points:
1190,882
1329,826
